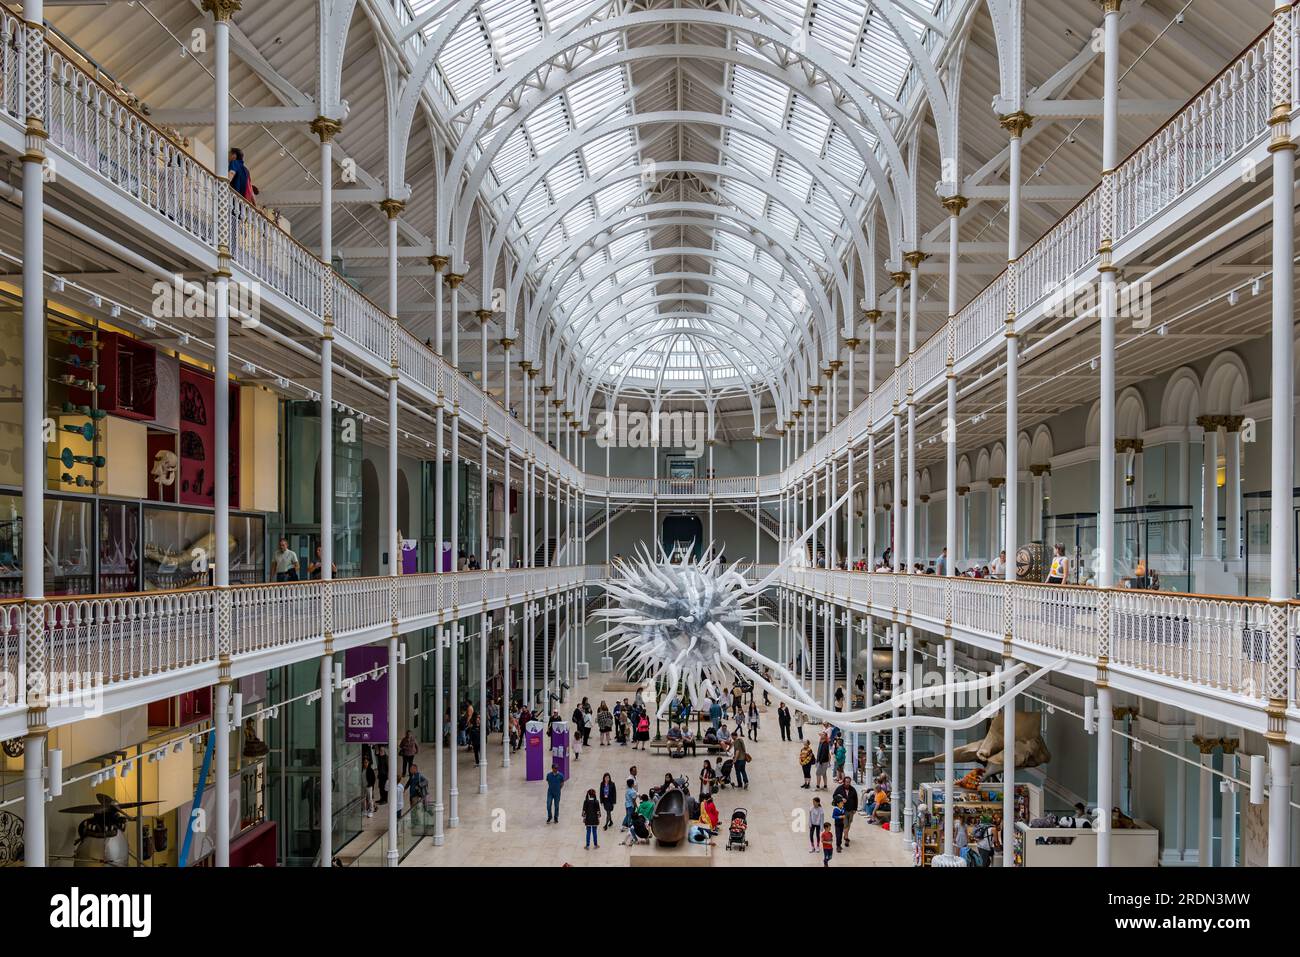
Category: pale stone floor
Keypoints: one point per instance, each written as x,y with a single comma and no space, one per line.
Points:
507,825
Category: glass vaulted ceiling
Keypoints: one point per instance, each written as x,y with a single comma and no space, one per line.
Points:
714,328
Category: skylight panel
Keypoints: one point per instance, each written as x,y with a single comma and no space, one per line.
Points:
514,26
762,96
608,152
794,177
744,196
808,124
836,26
591,98
466,60
617,197
547,125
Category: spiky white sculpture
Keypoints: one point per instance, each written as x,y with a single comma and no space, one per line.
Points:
677,621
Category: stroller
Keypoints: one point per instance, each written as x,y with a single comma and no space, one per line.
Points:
738,829
723,778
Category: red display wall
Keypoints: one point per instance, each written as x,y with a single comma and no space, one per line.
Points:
198,439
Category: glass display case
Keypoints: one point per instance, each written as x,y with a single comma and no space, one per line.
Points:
1153,547
178,548
1258,514
1076,532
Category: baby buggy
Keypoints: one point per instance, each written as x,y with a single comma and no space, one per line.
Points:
723,778
738,829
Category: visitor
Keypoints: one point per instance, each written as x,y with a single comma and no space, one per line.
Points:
715,713
285,563
608,796
816,818
841,755
315,568
554,786
800,719
839,699
837,818
823,759
709,815
381,770
783,720
941,566
241,180
580,732
369,773
828,844
515,736
604,723
472,728
586,723
806,761
417,787
591,819
707,775
642,730
847,795
408,749
1059,571
741,757
646,808
629,804
999,568
753,720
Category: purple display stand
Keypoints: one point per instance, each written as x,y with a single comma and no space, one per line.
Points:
535,751
560,747
448,561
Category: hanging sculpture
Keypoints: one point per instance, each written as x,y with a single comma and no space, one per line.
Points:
678,621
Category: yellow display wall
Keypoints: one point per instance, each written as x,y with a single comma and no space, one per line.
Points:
259,449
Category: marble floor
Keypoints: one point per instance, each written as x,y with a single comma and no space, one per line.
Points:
506,826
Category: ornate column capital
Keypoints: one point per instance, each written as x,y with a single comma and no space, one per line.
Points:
326,128
900,279
1233,423
872,316
1039,470
1205,745
1210,423
955,204
507,342
915,258
852,343
439,263
221,10
484,315
392,207
996,482
1016,123
454,279
1109,6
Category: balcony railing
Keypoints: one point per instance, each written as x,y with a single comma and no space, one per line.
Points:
89,644
1206,643
90,125
1204,139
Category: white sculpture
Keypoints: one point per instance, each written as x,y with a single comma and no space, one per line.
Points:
678,621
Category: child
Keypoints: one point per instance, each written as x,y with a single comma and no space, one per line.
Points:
828,844
837,817
816,818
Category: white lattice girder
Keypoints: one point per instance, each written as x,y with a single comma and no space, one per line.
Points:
540,62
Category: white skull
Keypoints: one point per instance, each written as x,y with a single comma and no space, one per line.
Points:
164,468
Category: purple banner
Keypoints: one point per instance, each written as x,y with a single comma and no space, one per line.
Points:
410,556
535,751
365,704
560,747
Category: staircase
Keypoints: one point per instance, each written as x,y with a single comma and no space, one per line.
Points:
596,522
767,521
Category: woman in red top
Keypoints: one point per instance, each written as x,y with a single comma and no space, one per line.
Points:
709,813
